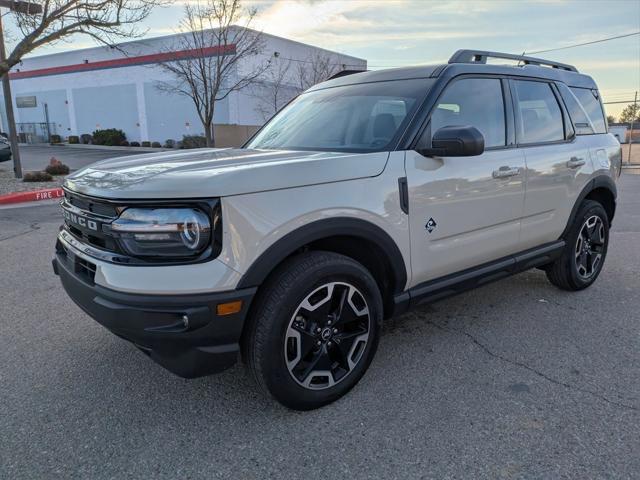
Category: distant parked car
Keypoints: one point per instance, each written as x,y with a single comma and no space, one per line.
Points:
5,149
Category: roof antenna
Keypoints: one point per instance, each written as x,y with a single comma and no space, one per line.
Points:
523,54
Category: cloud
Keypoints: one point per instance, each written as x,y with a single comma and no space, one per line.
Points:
334,24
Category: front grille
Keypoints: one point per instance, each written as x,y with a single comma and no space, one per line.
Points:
91,205
85,219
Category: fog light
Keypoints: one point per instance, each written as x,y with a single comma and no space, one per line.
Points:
229,308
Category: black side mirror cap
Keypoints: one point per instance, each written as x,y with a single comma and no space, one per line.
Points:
455,141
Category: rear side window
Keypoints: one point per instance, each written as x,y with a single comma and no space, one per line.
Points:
579,117
538,112
473,101
589,101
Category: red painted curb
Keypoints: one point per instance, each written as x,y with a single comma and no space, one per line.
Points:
32,196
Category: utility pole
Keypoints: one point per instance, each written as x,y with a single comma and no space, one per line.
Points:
46,119
633,117
31,9
8,105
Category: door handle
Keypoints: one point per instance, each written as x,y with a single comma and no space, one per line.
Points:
505,172
575,162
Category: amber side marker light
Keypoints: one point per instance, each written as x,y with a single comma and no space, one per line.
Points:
229,308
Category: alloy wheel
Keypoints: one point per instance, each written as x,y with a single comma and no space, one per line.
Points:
327,335
590,247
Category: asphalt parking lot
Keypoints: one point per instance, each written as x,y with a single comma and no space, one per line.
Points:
513,380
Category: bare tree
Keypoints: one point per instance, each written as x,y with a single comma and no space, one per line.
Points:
276,87
317,68
221,59
104,20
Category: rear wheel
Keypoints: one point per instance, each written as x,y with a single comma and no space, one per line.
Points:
585,251
315,329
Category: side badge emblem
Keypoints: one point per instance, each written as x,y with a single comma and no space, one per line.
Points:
431,225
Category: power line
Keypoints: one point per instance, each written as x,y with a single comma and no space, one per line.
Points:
585,43
529,53
625,101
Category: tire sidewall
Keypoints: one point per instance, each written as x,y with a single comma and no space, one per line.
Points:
588,210
277,378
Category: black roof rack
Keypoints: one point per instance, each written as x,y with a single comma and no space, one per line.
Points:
344,73
478,56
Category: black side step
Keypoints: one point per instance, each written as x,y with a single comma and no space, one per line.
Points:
455,283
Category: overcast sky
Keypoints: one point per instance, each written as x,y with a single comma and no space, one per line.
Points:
407,32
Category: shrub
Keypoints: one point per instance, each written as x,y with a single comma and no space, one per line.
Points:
60,169
56,167
109,136
135,144
146,143
193,141
171,143
124,143
55,138
86,139
37,177
156,145
74,139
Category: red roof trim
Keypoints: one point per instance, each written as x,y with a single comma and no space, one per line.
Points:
126,62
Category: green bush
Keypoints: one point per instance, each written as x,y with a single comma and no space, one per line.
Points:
37,177
86,139
193,141
55,138
134,144
156,145
146,143
74,139
109,136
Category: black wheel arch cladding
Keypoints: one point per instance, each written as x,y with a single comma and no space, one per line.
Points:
325,229
601,183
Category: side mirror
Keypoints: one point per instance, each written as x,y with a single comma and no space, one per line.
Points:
455,141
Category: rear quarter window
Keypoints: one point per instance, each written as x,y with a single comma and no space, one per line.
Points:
580,119
589,100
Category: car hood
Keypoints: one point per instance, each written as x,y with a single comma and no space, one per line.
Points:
206,173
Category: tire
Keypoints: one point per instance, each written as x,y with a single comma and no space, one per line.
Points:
319,314
578,268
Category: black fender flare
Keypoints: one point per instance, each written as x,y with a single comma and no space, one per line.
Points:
601,181
321,229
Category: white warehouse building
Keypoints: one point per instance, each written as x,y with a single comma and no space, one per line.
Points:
79,91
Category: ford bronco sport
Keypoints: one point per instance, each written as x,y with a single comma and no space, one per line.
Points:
367,195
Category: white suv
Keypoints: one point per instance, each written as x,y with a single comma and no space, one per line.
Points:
367,195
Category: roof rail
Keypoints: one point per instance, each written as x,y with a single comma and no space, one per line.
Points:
344,73
478,56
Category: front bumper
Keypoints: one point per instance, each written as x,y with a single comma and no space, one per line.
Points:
202,344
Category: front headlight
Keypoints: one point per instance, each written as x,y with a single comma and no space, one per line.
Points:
163,232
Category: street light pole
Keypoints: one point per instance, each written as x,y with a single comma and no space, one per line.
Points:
8,105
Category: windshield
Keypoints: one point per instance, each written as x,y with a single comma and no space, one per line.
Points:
352,118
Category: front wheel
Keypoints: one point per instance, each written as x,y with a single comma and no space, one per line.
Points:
585,250
315,329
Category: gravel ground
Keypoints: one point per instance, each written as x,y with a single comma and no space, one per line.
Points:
8,183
